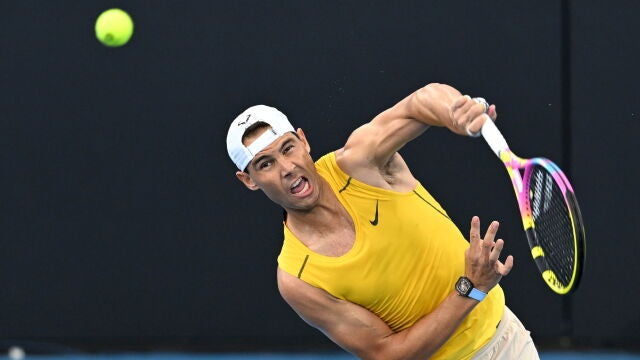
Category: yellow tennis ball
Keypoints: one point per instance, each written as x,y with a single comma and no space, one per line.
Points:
114,27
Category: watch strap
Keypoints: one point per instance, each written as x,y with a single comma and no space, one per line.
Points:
477,294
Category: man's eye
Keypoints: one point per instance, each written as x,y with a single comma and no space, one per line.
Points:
264,164
288,148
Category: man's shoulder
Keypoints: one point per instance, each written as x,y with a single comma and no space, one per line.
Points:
297,292
293,289
350,161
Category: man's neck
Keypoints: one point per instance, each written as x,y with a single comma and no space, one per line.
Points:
327,229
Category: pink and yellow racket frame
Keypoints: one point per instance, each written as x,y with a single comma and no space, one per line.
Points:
514,165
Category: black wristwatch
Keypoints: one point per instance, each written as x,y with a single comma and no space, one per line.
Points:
465,287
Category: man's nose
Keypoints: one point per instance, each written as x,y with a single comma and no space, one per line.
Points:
287,166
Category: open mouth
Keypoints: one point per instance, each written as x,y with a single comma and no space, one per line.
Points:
300,186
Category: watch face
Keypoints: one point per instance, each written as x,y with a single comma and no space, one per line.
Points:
464,286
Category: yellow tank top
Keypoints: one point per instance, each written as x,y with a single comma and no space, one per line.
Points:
406,259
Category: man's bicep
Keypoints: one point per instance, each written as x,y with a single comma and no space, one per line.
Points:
350,326
410,117
394,127
370,149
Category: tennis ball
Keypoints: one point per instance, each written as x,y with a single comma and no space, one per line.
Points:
114,27
16,353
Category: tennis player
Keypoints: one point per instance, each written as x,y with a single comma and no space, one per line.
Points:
369,257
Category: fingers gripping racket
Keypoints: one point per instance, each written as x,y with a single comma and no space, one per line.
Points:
550,213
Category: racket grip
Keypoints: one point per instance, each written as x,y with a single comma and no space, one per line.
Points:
493,137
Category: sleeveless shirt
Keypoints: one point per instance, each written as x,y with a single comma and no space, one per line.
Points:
405,260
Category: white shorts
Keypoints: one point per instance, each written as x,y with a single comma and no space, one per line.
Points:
511,341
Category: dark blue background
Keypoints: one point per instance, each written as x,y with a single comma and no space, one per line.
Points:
123,226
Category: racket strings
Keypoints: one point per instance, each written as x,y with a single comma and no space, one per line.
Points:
553,227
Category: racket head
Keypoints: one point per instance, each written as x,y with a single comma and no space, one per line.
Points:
553,224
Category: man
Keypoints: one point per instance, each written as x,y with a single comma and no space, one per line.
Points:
369,257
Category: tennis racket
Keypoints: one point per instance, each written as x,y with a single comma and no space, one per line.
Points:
550,213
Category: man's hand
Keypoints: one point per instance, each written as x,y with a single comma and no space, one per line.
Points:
467,115
481,258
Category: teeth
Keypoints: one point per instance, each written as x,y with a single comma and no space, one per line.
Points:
296,183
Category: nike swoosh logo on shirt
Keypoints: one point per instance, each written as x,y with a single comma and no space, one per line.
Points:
374,222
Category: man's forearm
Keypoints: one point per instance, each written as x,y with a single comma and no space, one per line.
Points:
428,334
431,104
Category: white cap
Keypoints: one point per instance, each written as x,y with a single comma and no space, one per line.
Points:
241,155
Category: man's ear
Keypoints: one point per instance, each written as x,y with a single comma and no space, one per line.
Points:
303,138
246,180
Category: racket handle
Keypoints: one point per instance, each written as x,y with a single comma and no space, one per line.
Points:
493,137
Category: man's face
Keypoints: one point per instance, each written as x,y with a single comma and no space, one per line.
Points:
284,171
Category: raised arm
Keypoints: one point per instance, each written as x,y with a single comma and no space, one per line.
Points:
365,335
374,143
